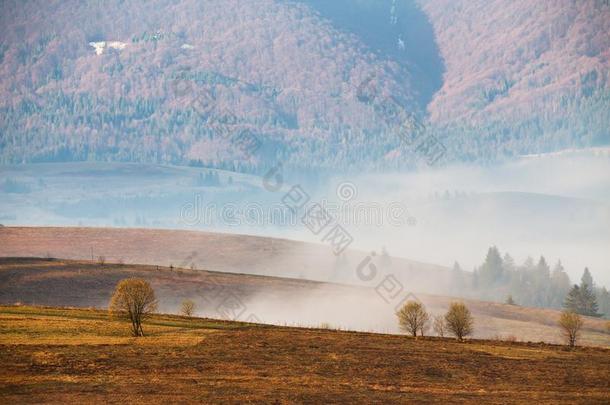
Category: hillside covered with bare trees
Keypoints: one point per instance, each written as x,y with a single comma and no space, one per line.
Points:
166,81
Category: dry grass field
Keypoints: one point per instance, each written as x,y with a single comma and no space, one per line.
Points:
58,283
203,250
80,356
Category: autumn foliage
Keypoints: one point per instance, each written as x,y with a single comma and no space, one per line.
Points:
133,299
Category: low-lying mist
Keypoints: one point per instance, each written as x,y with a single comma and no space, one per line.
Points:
553,205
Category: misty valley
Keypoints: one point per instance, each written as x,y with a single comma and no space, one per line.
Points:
305,201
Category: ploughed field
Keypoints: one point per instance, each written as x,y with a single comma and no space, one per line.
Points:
80,355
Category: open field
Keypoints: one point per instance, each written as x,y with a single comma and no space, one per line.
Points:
280,301
75,355
206,250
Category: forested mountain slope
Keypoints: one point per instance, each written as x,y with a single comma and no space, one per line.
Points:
525,76
281,70
175,81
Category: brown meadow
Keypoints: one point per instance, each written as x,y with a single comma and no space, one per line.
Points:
78,355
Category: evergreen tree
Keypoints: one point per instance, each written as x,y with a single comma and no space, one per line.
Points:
457,278
581,299
603,297
542,283
587,279
572,301
587,296
560,285
526,291
491,271
508,264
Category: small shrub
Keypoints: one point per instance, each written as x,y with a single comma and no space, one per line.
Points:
188,308
439,325
413,318
459,320
571,323
133,299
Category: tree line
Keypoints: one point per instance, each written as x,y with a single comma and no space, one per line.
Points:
414,319
459,322
533,284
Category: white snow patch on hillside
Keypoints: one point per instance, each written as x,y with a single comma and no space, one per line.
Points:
102,45
602,151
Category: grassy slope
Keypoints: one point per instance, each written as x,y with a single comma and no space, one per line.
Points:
271,299
62,355
204,250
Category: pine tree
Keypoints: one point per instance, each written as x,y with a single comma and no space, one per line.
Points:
589,303
603,297
560,285
587,296
572,301
581,299
587,279
509,267
457,279
491,271
542,278
526,292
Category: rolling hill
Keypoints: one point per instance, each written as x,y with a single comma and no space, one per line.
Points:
537,206
274,300
208,250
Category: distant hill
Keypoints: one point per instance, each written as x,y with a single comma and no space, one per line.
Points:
208,250
182,81
540,206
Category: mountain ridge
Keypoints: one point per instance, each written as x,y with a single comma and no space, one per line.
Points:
288,75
